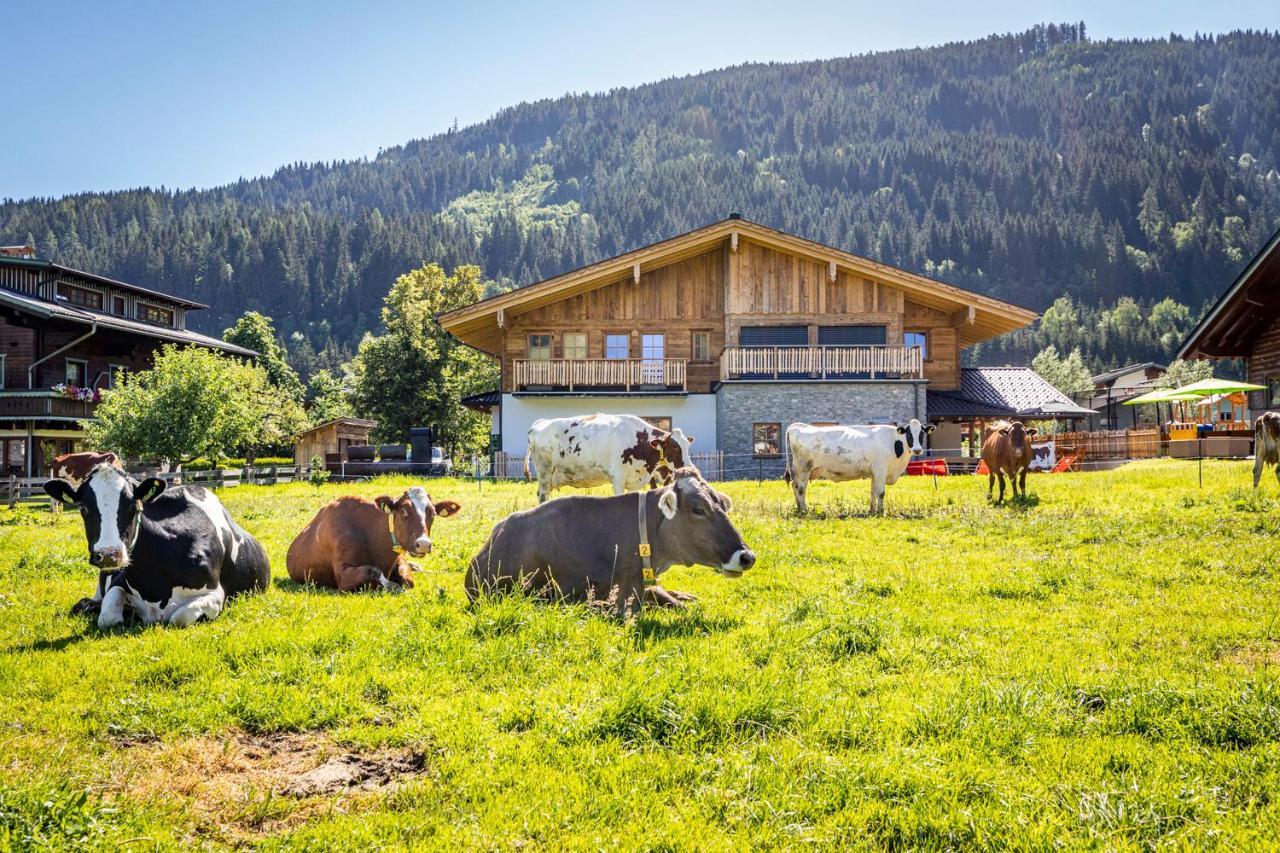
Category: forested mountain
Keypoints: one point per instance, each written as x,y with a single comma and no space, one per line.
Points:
1025,166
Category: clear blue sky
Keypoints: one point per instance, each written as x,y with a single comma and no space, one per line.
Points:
186,94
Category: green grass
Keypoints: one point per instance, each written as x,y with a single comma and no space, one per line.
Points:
1094,666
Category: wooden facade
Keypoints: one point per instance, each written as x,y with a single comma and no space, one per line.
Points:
700,296
333,436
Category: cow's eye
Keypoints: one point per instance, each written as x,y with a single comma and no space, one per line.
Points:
699,510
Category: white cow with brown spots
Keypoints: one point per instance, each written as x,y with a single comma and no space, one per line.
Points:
623,451
877,452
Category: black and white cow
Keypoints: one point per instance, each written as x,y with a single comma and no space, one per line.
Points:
170,556
878,452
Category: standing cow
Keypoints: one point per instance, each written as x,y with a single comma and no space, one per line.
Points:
880,452
591,450
583,548
171,556
1007,451
351,545
1266,445
74,467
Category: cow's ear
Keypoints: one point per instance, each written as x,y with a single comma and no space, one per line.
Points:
902,430
149,489
1004,431
930,428
725,503
385,503
62,492
668,503
689,439
1031,431
444,509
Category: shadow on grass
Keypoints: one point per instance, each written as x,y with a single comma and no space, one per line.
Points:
1021,503
654,625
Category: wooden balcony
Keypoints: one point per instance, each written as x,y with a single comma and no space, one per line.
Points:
611,374
42,404
807,363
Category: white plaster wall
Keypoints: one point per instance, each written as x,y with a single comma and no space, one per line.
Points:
695,414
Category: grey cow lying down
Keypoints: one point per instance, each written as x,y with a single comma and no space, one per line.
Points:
583,548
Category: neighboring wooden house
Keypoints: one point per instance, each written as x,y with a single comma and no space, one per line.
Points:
731,332
1112,388
1245,323
77,331
333,436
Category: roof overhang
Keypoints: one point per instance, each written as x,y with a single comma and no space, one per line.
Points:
1249,306
978,317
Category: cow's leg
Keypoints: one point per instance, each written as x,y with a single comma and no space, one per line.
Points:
206,606
112,612
93,605
1022,481
877,493
619,480
351,578
662,597
629,598
1278,472
543,491
1258,465
1000,476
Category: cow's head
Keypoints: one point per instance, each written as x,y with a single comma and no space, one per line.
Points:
110,502
411,516
915,434
696,530
1017,433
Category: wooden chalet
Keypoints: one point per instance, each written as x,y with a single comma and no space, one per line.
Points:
731,331
65,335
1245,323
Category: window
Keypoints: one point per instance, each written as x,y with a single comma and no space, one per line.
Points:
617,346
77,372
539,347
653,347
114,372
82,296
1273,394
917,339
117,306
575,345
701,346
766,439
662,422
155,314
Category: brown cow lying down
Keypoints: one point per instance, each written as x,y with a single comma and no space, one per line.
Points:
1008,451
1266,445
74,467
349,544
582,548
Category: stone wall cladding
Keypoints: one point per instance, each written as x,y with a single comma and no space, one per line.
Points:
740,405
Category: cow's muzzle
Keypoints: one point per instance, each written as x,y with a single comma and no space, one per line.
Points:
107,558
421,547
741,560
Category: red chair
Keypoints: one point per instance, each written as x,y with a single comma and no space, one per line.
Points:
982,467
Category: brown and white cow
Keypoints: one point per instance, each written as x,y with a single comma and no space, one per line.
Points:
592,450
75,467
1007,451
583,548
1266,445
350,544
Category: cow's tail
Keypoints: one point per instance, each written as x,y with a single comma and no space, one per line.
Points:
786,455
527,451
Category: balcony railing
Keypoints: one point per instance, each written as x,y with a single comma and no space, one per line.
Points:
624,374
821,363
42,404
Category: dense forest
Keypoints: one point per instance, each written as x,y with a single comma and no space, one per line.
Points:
1027,166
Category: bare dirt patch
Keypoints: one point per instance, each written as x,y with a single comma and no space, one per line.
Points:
240,784
1254,656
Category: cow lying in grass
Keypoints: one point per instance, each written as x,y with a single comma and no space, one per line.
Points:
164,555
350,545
582,548
1007,451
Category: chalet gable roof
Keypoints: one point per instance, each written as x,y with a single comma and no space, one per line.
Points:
59,269
1250,305
480,324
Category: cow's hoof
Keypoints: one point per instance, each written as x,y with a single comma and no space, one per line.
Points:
85,606
661,597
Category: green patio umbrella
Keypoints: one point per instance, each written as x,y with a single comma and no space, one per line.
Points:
1162,395
1213,385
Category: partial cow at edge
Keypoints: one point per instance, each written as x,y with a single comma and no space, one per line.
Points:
583,548
164,555
838,453
1266,445
355,543
1007,452
591,450
74,467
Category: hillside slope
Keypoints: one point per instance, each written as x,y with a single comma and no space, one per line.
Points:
1024,166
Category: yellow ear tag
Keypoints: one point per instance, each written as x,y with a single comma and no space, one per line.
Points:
648,576
645,549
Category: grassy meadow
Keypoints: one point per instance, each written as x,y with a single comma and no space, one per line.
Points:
1093,666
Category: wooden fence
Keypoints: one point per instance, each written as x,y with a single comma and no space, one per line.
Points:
1109,444
16,490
